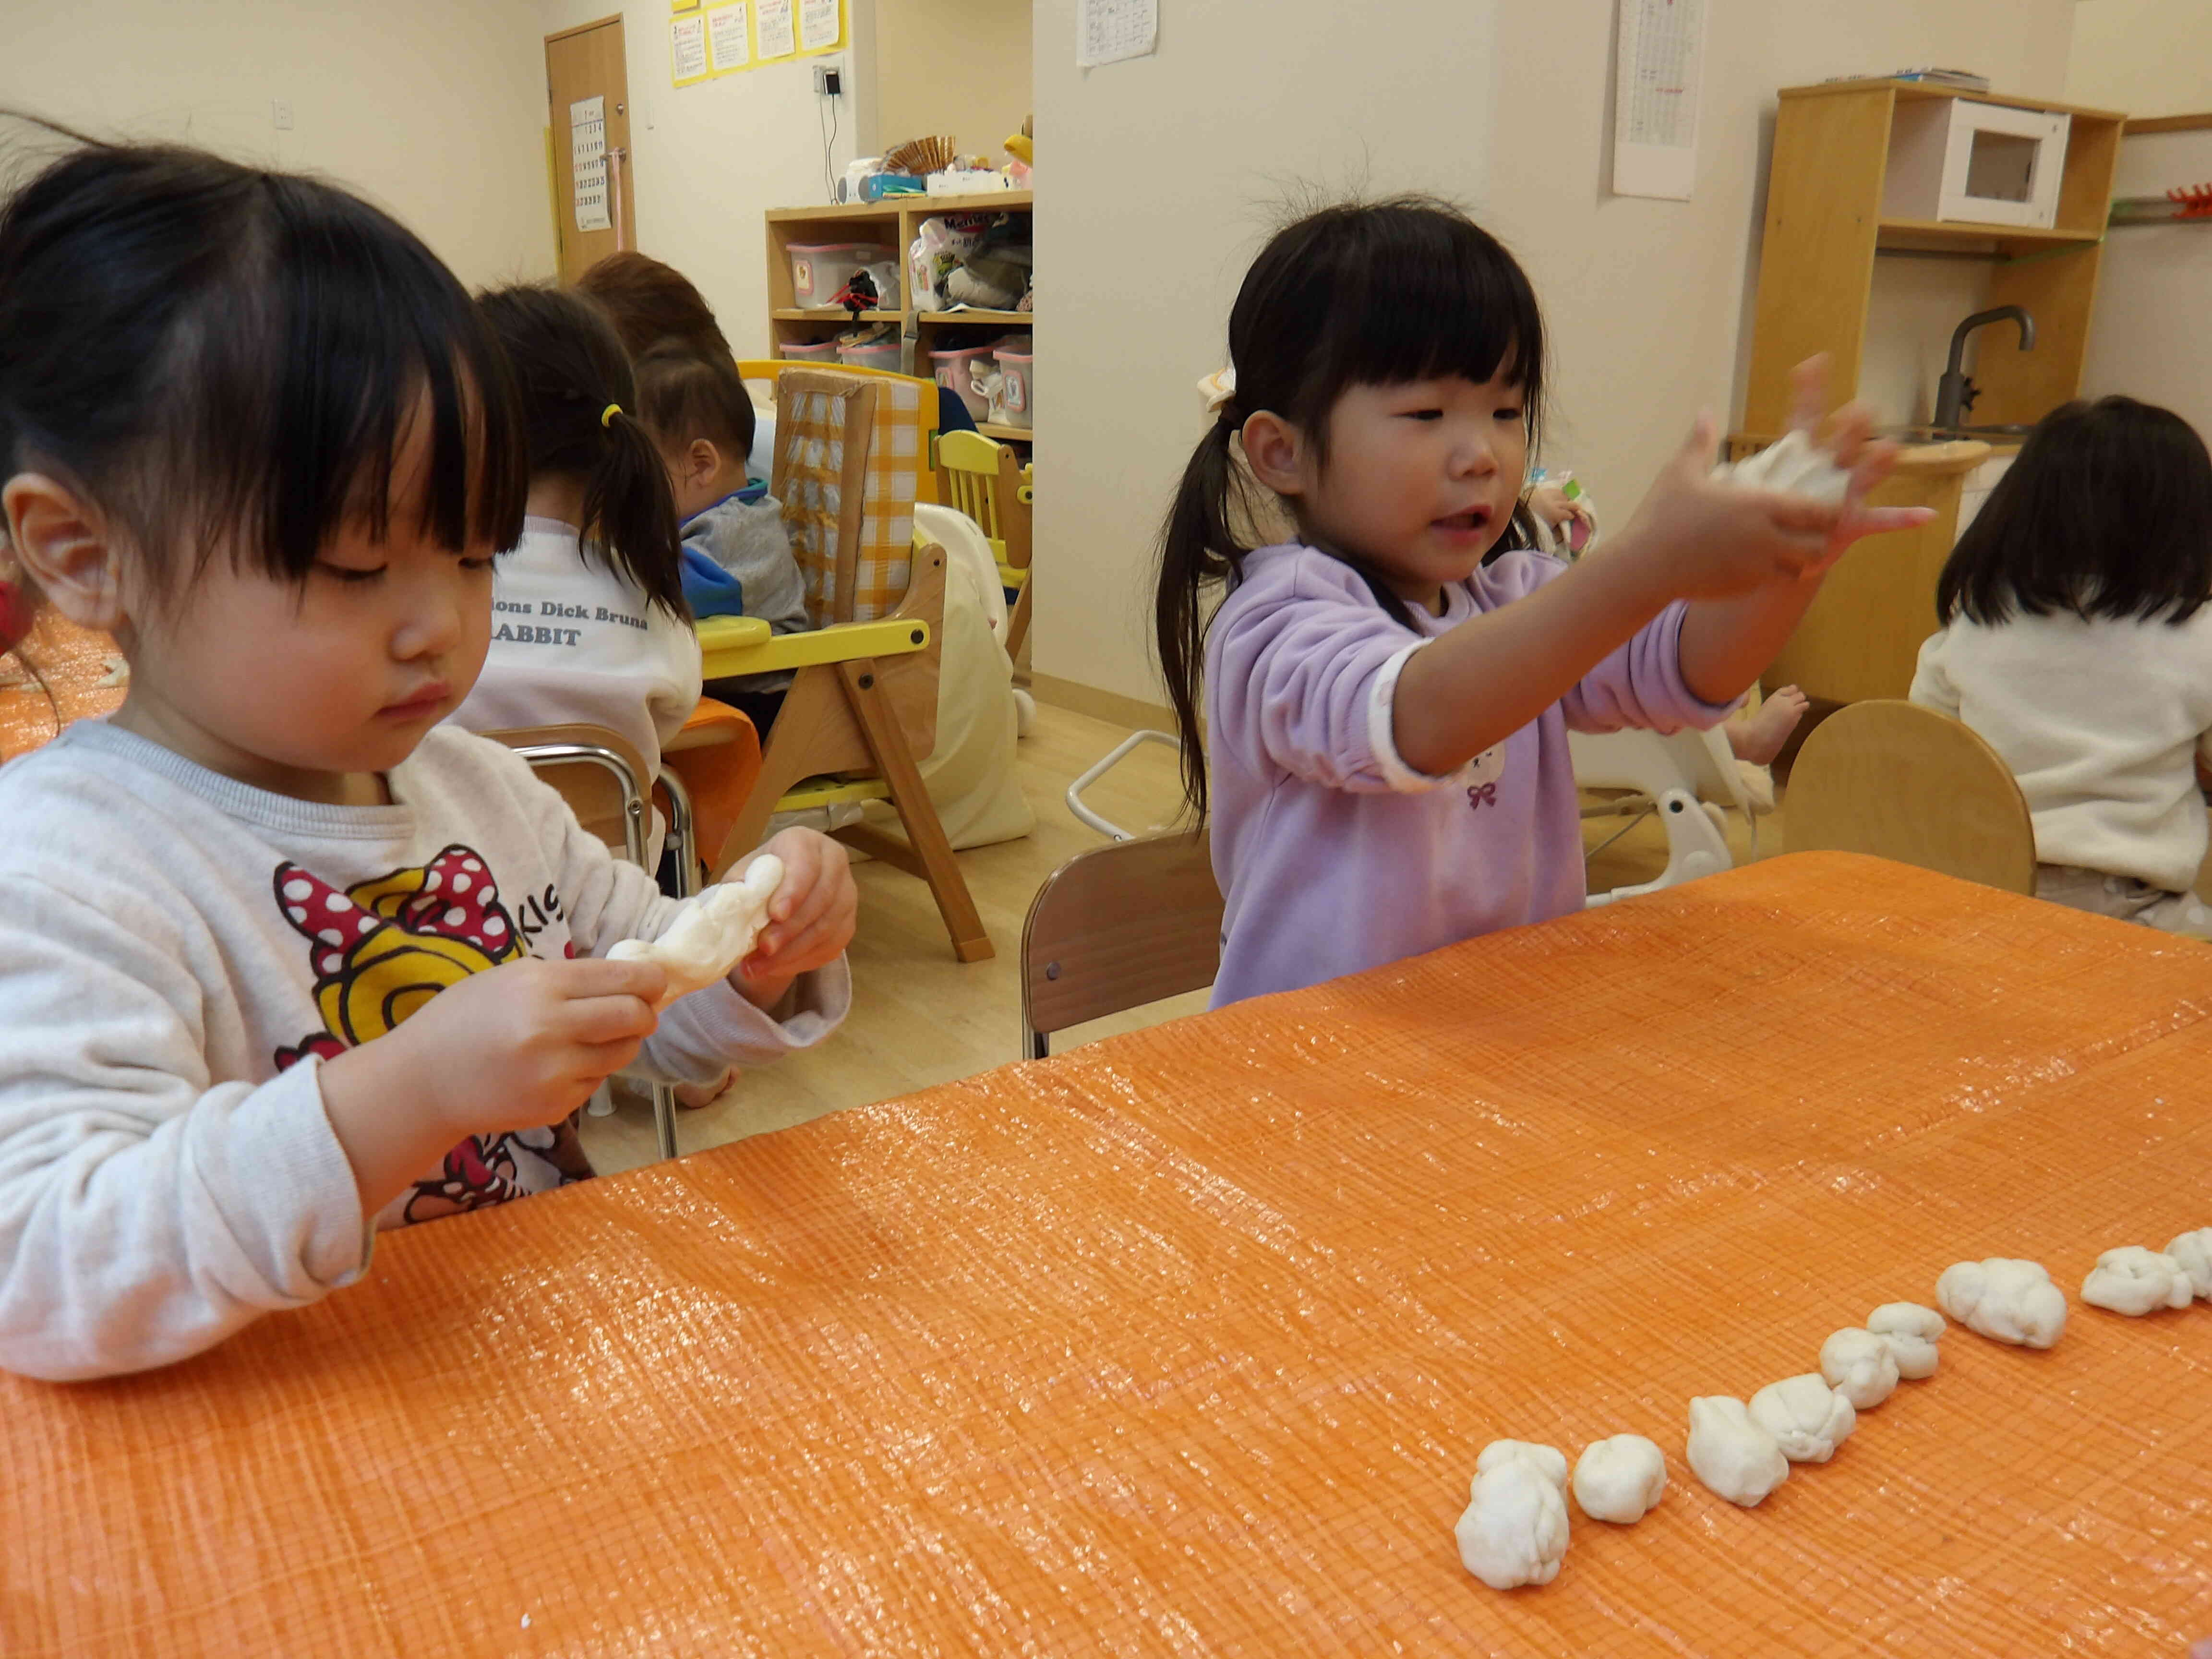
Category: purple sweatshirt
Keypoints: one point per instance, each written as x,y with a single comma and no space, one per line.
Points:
1334,856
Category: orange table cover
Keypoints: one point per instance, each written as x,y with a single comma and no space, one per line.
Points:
69,662
1185,1343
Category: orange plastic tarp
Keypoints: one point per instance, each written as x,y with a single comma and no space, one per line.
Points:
1185,1343
68,663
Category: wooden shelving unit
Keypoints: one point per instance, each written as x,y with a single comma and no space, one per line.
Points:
1826,227
894,222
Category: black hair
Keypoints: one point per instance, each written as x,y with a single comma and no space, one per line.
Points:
579,419
2107,512
682,397
221,356
1355,295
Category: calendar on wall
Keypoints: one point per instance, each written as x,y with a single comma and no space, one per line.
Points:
1657,81
1111,31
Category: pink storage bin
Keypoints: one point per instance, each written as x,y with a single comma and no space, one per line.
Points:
812,351
958,369
818,270
885,355
1018,386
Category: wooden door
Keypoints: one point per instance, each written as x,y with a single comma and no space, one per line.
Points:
583,63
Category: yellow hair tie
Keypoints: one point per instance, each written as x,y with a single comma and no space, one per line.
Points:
607,414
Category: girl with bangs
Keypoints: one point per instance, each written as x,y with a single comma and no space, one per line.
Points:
282,960
1388,698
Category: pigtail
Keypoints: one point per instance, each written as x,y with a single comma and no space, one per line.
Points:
1198,545
629,514
578,393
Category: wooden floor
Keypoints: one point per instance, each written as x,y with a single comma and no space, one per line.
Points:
919,1017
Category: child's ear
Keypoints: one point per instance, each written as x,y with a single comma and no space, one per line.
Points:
702,461
1274,450
63,543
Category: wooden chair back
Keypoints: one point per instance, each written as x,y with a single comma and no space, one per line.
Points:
1901,781
608,791
1117,927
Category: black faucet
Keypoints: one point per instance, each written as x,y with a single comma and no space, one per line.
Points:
1954,392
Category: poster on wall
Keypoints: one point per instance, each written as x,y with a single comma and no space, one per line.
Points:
686,49
728,47
775,34
820,25
587,162
1114,31
1660,70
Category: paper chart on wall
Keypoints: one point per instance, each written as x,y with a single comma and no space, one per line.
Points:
1110,31
727,47
587,162
774,33
820,24
1659,73
686,49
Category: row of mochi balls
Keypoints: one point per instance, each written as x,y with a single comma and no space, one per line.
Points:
1514,1531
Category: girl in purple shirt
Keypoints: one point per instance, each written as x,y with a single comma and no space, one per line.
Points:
1386,704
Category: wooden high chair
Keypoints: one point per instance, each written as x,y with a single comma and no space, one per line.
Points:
980,476
1901,781
850,450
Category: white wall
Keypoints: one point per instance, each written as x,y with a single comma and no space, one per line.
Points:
432,108
1505,106
2147,336
956,66
2141,57
710,159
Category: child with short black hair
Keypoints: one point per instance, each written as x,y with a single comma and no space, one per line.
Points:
283,959
2077,640
737,558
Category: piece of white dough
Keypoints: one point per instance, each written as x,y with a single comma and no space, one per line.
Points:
1808,1418
2194,1252
1620,1479
1548,1461
2005,1299
1731,1453
1859,1365
2134,1281
1912,1333
1793,466
1514,1529
712,934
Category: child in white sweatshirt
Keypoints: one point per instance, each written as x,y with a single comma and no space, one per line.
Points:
589,620
2077,640
282,960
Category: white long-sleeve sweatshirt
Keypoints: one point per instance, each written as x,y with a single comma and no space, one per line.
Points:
573,642
178,953
2101,721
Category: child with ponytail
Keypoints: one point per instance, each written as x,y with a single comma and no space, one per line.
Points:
1387,713
589,623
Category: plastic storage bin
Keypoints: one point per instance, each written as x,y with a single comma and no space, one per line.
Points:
884,355
957,369
820,270
808,351
1017,387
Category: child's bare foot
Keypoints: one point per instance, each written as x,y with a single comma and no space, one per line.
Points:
1758,736
692,1096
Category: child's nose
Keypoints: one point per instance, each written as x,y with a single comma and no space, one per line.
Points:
431,628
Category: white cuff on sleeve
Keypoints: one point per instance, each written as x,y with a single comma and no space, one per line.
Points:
1382,739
